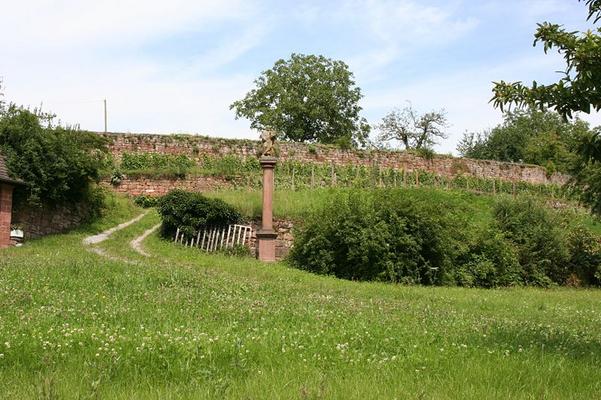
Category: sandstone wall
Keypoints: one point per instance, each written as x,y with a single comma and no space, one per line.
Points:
283,242
37,222
198,146
159,187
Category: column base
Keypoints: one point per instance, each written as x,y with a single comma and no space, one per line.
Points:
266,244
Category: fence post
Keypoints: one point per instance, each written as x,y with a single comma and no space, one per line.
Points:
293,173
333,173
312,176
417,177
494,186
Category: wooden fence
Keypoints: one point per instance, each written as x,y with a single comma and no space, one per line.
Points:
212,239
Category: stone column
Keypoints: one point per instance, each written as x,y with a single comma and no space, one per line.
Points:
6,208
266,236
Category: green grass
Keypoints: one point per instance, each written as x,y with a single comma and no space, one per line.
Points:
184,325
297,205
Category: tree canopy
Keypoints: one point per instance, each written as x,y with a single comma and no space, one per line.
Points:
531,136
412,130
306,98
579,89
57,164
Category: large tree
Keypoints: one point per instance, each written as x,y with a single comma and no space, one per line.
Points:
306,98
579,89
411,129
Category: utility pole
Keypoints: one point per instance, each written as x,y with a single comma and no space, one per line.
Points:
105,123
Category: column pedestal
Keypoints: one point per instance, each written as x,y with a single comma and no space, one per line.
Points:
266,236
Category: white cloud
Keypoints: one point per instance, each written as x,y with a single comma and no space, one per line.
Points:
51,25
401,28
54,53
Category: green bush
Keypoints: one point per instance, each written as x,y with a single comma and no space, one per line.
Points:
145,201
540,237
490,261
58,165
192,212
375,236
585,256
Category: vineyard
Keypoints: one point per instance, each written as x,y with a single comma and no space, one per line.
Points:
294,175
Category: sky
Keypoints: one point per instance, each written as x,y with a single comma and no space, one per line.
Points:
176,66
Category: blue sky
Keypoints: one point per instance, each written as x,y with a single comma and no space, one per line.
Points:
176,66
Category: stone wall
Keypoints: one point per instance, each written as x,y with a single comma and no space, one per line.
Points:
37,222
199,146
6,204
160,186
283,243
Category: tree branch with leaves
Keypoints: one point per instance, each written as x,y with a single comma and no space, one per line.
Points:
579,90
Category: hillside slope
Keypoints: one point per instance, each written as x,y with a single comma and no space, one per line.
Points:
183,324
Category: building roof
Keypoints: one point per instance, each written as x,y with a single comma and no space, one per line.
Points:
5,176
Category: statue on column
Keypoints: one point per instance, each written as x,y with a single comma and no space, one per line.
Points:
267,143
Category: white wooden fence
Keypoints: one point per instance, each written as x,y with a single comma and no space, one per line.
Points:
212,239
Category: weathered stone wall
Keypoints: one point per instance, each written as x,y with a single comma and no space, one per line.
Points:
158,187
283,243
198,146
37,222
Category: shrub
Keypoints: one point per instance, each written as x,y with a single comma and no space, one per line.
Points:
192,212
490,261
539,237
57,164
146,201
585,255
374,236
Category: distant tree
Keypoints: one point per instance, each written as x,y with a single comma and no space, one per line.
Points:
2,103
306,98
413,130
530,136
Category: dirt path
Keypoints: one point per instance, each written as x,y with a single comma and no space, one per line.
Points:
101,237
136,244
90,241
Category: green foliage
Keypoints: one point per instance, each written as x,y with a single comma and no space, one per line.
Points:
534,137
375,236
550,247
230,166
192,212
145,201
490,261
412,130
580,87
57,164
116,177
397,236
306,98
156,164
586,171
585,255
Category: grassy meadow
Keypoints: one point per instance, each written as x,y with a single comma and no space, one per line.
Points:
182,324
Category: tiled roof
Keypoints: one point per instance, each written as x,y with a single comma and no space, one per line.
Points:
4,175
